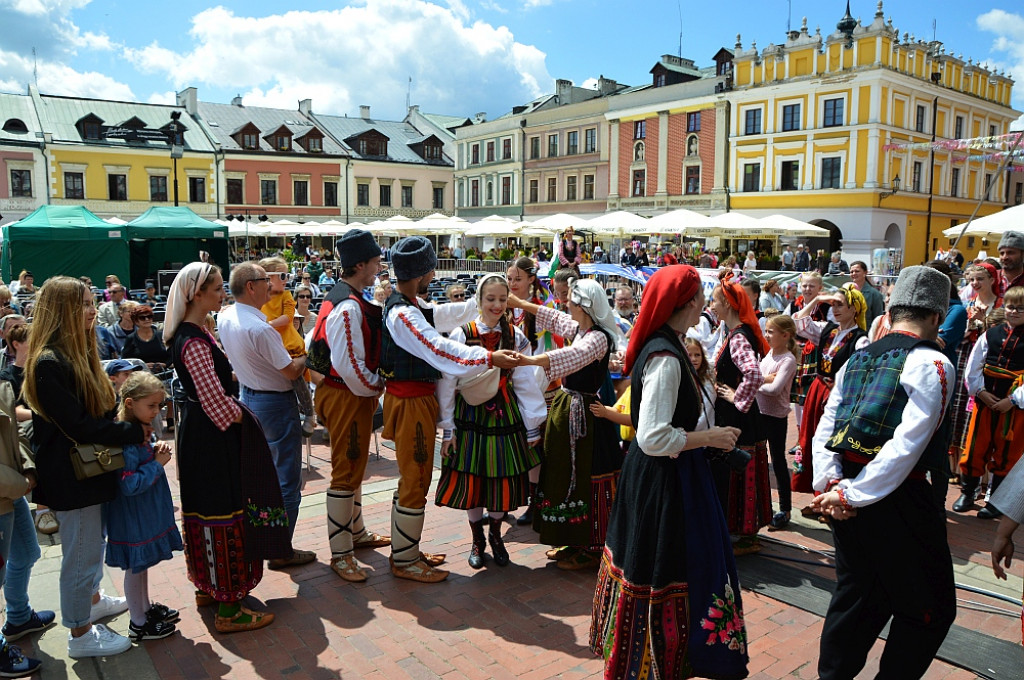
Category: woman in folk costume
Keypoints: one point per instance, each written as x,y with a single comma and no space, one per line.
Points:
568,256
667,603
487,461
582,458
836,341
744,492
224,464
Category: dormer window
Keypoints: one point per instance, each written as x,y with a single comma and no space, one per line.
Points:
250,141
90,126
15,126
432,152
312,141
369,143
314,145
282,142
247,137
659,80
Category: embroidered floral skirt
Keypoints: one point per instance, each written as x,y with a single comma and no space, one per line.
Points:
667,603
575,493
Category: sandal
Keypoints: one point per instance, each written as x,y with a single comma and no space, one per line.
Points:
433,559
225,624
582,559
372,539
563,553
347,568
419,571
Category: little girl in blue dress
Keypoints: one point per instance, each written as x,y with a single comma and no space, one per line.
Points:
141,530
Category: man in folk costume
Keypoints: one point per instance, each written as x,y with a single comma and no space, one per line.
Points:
1011,259
414,355
346,350
882,431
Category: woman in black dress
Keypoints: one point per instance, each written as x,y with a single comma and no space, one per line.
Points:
145,342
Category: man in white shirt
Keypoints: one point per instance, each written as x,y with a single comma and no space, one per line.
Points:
265,371
881,434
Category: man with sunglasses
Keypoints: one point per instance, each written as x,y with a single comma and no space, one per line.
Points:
455,292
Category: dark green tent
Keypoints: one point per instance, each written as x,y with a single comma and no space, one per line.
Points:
168,238
64,239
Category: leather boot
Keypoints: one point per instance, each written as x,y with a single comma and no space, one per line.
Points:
990,511
497,544
527,517
476,555
969,487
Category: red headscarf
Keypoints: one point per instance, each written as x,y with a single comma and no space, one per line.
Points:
667,291
737,298
993,274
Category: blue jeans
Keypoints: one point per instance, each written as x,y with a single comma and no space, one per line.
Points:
278,414
20,548
81,544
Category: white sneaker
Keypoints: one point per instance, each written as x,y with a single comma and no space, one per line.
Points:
308,425
108,606
98,641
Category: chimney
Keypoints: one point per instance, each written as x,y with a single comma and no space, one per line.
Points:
480,117
306,107
563,90
607,85
189,99
364,112
237,101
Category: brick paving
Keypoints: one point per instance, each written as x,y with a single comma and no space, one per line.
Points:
529,620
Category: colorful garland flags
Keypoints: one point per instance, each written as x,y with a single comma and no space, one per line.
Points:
996,148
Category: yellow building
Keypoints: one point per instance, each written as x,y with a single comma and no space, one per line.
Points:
115,158
811,120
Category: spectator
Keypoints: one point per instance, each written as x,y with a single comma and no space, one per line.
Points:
771,296
628,258
625,304
750,263
307,280
874,298
7,324
305,318
151,297
24,287
600,257
381,293
802,259
838,265
124,325
145,341
787,258
108,314
455,292
327,278
314,268
110,280
641,257
7,304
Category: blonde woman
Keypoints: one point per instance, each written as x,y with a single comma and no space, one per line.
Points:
72,401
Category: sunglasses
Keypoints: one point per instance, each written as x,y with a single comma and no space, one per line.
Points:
281,275
146,317
305,297
458,296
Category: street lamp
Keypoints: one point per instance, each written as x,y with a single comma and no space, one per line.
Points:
245,218
895,189
177,148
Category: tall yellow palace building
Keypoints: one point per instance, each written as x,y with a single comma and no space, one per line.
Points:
811,120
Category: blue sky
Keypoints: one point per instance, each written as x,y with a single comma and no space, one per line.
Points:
464,56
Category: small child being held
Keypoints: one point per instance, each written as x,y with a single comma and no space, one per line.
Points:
141,531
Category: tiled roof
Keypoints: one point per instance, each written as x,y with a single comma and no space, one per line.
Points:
15,107
58,116
400,135
223,120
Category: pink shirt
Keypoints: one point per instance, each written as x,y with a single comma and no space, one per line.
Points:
773,399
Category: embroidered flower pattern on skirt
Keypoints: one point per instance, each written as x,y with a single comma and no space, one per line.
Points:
573,512
725,622
266,517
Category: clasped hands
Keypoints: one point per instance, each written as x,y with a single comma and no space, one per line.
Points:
831,504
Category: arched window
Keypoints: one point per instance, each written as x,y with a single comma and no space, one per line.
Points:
15,126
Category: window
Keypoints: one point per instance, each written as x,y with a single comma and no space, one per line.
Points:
432,152
21,184
534,147
1018,194
640,129
372,147
282,142
833,113
474,192
197,189
790,175
954,184
992,131
570,188
331,194
693,122
919,119
385,195
490,152
534,190
552,189
490,193
117,187
158,189
958,128
659,80
590,140
790,117
268,192
91,129
552,146
830,172
439,198
506,190
74,185
693,180
588,187
506,149
235,191
406,197
988,186
752,122
572,143
314,144
915,181
250,140
300,192
475,150
363,194
752,177
639,182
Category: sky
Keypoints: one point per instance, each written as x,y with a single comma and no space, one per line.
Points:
462,56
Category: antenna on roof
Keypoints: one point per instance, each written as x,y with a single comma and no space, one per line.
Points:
679,5
933,30
789,18
408,95
35,68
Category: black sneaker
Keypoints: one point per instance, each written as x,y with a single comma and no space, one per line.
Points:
14,664
151,630
163,613
38,621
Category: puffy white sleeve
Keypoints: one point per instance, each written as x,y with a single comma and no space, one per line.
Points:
975,377
445,393
655,434
348,353
451,315
411,331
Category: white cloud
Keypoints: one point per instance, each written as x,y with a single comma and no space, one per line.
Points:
493,6
167,98
530,4
1008,49
590,84
357,55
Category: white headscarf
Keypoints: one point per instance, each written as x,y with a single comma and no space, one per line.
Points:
484,280
589,295
186,284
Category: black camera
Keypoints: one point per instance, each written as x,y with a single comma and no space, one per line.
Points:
736,459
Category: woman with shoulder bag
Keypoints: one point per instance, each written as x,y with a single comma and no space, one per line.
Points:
72,404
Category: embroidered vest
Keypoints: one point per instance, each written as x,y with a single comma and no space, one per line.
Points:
319,357
491,341
591,377
1005,351
395,362
831,359
873,401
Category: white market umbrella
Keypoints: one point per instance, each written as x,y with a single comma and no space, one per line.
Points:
440,225
382,228
733,224
996,223
789,226
561,221
618,222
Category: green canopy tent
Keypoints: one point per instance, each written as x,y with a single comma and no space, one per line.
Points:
168,238
64,240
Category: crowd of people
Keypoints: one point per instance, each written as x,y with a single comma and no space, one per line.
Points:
636,431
